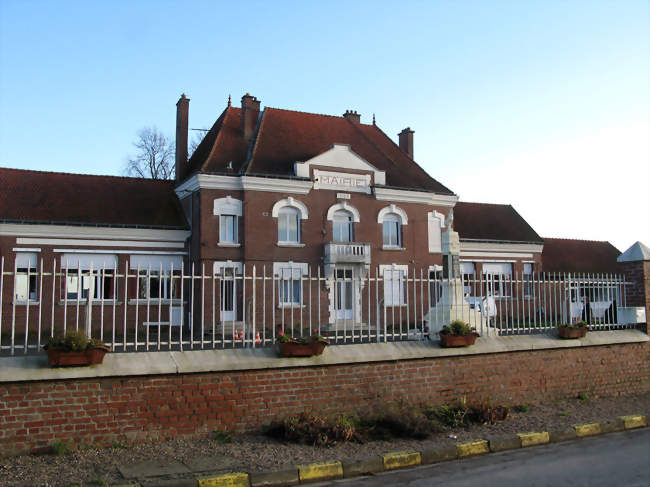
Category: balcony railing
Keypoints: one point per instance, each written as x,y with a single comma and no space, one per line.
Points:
348,253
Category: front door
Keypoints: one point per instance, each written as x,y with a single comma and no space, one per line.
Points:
343,294
228,291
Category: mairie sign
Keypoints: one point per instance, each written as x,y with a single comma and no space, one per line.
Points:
359,183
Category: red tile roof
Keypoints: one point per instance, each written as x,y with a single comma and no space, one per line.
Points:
589,256
285,137
492,222
53,197
222,144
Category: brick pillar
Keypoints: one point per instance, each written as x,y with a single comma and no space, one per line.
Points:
637,275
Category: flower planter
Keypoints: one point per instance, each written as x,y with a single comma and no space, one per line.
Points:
58,358
447,340
568,332
295,349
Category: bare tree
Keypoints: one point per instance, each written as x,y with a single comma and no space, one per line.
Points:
197,138
155,156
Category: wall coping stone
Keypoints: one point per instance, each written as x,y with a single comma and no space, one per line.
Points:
36,368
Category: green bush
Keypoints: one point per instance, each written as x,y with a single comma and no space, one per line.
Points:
73,341
457,327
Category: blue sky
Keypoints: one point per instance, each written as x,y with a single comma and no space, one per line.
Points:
544,105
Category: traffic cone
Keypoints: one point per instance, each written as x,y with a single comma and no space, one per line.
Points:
258,340
241,334
236,337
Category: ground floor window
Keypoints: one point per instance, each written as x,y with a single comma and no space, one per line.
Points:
394,277
289,276
159,277
26,279
88,275
498,278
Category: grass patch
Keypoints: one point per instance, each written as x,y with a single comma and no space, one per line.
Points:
60,447
392,421
520,408
221,437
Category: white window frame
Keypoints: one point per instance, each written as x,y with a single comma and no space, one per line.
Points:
80,283
229,210
393,223
289,216
26,277
228,229
468,276
279,211
393,214
394,277
287,275
496,280
164,271
527,278
343,219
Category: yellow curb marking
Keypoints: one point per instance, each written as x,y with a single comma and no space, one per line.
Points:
401,459
532,439
589,429
473,448
320,471
634,421
234,479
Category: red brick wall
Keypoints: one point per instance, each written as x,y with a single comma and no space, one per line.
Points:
637,274
103,410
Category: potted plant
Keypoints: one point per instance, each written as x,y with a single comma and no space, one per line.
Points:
301,347
457,334
573,330
75,348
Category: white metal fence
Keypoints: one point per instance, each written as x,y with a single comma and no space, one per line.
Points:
247,305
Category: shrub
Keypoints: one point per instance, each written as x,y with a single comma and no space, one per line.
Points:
59,447
461,415
73,341
457,327
521,408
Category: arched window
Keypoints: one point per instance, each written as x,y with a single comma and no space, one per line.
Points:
392,230
343,226
392,218
288,225
289,212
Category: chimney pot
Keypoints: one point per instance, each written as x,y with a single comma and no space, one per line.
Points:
250,107
406,141
182,119
352,116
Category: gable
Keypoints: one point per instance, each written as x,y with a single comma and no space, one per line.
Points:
343,157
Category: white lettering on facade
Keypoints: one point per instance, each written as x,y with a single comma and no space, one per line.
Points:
350,182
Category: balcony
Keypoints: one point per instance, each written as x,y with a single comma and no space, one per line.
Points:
347,253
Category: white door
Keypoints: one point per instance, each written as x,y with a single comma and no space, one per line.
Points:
228,292
343,294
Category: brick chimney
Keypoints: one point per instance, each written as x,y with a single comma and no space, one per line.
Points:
406,141
352,116
250,107
182,116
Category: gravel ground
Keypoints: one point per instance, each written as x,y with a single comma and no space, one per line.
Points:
89,466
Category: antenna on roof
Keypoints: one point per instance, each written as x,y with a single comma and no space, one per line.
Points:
201,130
373,119
229,102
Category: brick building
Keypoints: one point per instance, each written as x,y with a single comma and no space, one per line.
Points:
294,194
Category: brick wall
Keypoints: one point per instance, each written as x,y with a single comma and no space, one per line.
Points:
637,274
103,410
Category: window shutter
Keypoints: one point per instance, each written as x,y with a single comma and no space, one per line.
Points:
435,235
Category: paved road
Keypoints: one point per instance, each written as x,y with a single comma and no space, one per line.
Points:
619,459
